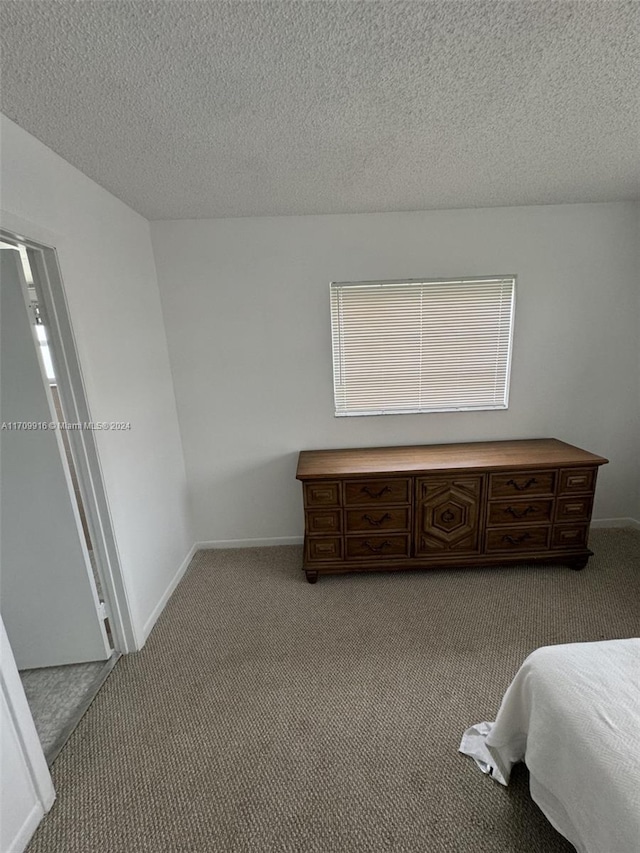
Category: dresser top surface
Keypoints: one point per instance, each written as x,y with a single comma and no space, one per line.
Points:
494,455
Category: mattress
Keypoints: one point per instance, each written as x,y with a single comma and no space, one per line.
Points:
572,714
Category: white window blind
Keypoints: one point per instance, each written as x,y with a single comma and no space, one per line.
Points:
421,346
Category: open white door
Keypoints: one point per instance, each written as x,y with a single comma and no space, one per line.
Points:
49,601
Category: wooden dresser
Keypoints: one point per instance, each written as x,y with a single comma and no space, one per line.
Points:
483,503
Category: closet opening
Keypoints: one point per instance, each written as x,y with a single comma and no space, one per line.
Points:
63,601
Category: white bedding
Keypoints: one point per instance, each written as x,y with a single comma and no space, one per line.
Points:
572,713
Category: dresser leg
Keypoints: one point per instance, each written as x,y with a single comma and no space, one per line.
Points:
312,577
578,563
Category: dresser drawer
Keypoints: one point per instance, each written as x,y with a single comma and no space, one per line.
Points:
324,548
575,480
519,539
369,492
324,521
378,518
321,494
522,484
574,509
377,547
519,512
570,536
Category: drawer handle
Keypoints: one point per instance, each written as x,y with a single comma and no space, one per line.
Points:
376,495
520,488
516,540
385,517
373,548
523,514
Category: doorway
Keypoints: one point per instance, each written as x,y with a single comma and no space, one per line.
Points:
60,601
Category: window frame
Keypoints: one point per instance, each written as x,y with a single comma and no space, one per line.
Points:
463,281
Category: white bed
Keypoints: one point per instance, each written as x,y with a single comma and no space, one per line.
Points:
572,714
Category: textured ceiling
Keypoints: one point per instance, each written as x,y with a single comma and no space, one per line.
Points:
209,109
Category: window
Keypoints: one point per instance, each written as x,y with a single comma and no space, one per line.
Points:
421,346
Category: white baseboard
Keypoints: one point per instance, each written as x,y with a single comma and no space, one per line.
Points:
292,540
157,610
19,843
250,543
298,540
615,522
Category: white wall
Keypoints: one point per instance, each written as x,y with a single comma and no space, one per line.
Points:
246,307
108,270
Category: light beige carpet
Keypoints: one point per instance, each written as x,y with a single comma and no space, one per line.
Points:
267,714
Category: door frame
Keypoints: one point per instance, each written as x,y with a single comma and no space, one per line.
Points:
42,249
